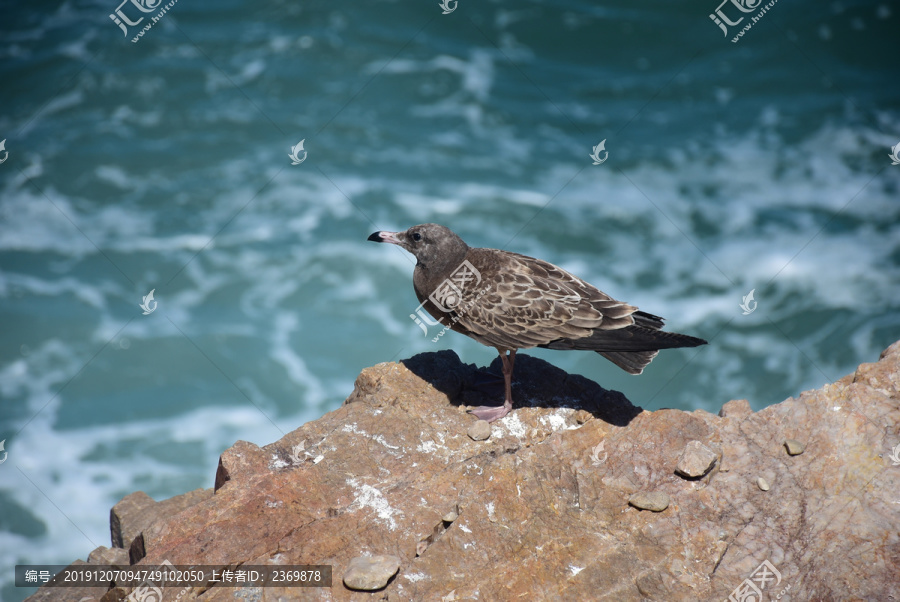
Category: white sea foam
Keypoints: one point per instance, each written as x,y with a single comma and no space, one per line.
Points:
290,301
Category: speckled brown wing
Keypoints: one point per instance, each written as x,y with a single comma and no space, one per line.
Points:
529,303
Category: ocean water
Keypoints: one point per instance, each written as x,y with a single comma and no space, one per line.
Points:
162,164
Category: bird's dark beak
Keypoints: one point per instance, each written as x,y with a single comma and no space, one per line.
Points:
383,236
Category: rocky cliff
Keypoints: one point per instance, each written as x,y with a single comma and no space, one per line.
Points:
578,496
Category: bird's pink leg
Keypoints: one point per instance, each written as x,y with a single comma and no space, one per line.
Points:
492,413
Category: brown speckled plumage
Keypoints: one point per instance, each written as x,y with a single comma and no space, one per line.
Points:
510,301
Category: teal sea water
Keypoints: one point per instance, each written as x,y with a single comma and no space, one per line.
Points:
162,164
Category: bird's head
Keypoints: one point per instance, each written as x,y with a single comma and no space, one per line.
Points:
433,245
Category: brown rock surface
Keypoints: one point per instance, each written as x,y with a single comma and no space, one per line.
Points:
540,511
137,511
109,556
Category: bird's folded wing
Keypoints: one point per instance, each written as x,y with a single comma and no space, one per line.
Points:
529,302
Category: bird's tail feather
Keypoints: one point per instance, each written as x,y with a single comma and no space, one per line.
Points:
631,338
642,318
631,362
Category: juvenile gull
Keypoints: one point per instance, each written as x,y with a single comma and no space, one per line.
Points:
510,302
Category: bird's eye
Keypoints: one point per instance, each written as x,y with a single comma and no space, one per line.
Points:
416,236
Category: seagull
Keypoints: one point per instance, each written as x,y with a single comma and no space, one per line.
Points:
510,301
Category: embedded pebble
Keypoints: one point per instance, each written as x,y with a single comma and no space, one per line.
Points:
450,516
656,501
793,447
696,460
762,484
480,431
370,573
